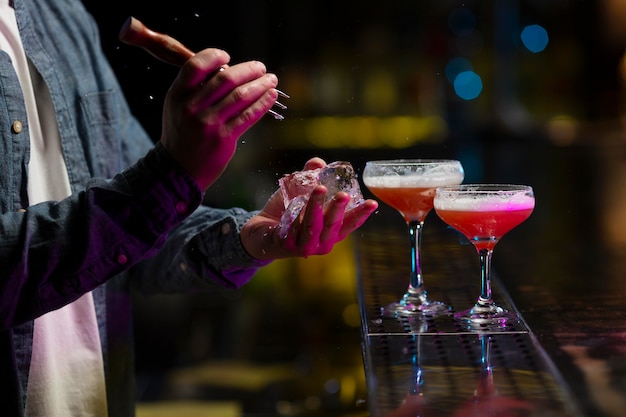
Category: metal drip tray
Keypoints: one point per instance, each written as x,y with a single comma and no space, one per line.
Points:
449,370
455,371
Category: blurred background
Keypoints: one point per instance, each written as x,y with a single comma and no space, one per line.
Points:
526,91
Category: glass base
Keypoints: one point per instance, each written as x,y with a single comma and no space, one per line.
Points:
484,316
417,304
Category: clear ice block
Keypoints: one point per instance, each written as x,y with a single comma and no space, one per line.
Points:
297,187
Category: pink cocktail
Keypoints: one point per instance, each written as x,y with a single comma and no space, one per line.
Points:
484,213
486,226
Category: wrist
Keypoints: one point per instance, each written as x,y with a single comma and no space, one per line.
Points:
256,240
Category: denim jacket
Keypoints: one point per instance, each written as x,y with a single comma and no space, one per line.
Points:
135,219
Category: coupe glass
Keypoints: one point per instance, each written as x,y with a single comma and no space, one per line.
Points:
408,185
484,213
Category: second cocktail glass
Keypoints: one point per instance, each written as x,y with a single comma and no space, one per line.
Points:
484,213
408,185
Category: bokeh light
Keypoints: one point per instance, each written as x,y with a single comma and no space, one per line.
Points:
535,38
468,85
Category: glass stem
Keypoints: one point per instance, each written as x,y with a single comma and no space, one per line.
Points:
485,277
485,383
415,234
416,361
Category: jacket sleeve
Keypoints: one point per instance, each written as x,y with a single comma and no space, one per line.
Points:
56,251
201,252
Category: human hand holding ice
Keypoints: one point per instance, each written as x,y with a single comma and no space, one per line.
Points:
311,211
296,189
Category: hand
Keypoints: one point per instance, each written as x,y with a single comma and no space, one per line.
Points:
314,232
209,106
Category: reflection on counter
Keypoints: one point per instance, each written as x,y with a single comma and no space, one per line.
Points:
464,375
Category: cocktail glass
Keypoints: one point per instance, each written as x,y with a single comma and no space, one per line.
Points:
484,213
408,185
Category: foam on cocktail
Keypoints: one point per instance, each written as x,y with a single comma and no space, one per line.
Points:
429,179
489,202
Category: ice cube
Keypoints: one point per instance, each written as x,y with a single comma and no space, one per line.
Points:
297,187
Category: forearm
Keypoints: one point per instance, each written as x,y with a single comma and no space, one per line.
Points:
57,251
202,252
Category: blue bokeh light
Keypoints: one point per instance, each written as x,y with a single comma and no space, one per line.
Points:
535,38
468,85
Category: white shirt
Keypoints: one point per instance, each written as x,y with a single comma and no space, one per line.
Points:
66,372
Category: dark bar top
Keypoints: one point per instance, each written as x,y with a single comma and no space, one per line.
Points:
565,268
562,270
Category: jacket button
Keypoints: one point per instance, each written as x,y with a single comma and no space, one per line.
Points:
17,126
181,207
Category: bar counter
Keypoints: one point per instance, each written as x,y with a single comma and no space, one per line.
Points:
561,270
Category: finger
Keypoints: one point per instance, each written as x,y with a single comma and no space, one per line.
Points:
312,221
228,84
314,163
201,67
242,120
355,217
249,93
333,218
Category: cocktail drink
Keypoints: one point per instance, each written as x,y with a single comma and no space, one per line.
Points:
484,213
408,185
